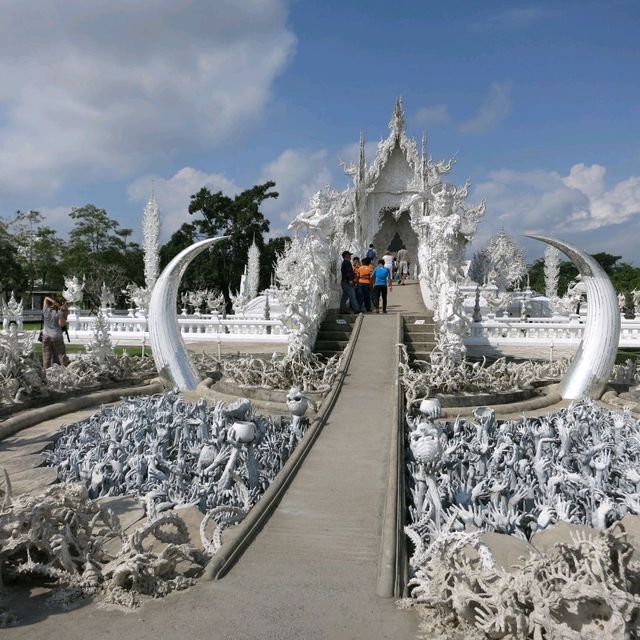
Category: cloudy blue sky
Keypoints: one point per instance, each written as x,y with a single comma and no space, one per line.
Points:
539,103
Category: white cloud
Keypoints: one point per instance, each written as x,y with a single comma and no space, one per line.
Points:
493,110
512,19
173,194
100,89
617,205
298,174
570,206
431,116
589,180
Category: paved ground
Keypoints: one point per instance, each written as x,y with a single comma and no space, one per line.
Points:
311,573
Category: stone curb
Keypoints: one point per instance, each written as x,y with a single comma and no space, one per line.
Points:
32,417
38,402
248,529
549,398
392,567
228,387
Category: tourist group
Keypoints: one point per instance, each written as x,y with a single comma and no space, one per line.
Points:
366,281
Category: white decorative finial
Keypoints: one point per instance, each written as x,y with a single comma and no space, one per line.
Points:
361,161
253,270
151,235
396,124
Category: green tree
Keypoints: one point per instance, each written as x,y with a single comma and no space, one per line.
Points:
100,251
268,258
12,275
48,251
93,228
625,277
26,226
241,220
180,239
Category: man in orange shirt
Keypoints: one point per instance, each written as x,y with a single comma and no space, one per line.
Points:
364,280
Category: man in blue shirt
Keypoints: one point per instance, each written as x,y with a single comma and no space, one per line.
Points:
381,279
347,284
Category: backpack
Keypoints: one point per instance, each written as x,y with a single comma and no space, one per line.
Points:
371,254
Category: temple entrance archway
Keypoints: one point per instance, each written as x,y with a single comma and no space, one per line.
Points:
392,233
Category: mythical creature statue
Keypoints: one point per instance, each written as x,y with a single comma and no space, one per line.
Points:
636,301
196,299
306,272
21,372
139,296
454,325
298,404
576,292
107,299
73,290
12,313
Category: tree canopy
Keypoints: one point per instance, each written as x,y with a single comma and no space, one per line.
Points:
33,255
625,277
240,219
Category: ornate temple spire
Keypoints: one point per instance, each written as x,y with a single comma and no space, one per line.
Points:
424,170
151,235
361,162
360,180
396,124
253,270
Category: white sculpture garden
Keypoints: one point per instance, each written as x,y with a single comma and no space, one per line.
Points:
479,487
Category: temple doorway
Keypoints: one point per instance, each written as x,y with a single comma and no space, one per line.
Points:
392,233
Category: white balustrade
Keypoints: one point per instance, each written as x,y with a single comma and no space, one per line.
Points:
133,329
542,331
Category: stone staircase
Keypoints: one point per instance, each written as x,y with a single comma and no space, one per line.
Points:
334,333
418,335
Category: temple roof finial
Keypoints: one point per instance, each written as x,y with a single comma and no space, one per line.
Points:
396,124
425,160
361,160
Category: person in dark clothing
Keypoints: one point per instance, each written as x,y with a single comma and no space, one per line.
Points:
347,285
381,279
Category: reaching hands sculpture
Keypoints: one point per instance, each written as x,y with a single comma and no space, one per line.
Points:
578,465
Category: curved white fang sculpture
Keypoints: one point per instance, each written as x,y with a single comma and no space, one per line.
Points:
590,370
167,345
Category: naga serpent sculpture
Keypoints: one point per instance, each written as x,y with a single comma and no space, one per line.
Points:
169,351
592,366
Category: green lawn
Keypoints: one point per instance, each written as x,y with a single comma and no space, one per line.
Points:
627,354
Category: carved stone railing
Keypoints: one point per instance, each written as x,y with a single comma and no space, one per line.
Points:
193,329
542,331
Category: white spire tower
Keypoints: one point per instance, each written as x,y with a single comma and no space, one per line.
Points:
551,271
253,270
151,234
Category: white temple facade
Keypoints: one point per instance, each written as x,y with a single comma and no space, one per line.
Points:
399,199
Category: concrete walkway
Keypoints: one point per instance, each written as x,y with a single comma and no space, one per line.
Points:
311,573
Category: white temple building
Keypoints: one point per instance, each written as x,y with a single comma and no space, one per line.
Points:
399,199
